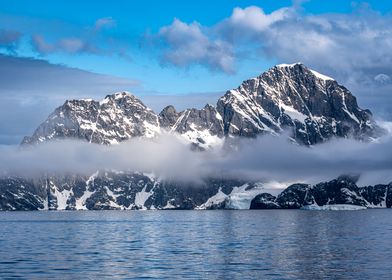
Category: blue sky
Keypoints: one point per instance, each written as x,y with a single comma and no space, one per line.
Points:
189,51
132,20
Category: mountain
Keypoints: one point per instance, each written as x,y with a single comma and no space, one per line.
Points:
116,118
313,107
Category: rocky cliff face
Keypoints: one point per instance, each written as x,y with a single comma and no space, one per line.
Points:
203,128
113,190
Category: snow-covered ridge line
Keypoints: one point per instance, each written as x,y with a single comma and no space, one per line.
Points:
321,76
288,65
286,97
315,73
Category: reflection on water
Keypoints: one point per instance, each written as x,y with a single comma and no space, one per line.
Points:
196,244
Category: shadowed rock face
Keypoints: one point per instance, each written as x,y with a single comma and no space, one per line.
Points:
286,97
378,195
294,197
168,116
264,201
342,190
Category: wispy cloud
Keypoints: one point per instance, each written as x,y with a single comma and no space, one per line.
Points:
66,45
9,40
67,38
106,22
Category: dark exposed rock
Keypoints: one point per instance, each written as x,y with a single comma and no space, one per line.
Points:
106,191
21,194
342,190
378,195
110,190
339,191
264,201
388,200
294,197
168,116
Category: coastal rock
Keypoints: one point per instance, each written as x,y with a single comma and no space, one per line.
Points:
264,201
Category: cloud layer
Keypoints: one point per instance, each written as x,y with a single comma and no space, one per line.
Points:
264,158
65,45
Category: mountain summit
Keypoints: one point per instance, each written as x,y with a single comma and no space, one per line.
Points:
313,105
116,118
292,97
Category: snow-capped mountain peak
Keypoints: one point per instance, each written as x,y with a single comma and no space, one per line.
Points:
284,65
299,64
291,96
314,107
116,118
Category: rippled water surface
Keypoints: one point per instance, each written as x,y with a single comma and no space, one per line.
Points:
196,244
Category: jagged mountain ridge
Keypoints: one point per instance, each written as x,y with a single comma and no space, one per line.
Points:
116,118
314,107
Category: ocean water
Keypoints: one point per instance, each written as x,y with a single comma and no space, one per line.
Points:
270,244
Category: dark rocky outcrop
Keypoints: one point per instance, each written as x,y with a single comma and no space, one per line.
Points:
294,197
342,190
264,201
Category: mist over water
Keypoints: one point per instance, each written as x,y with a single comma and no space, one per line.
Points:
169,156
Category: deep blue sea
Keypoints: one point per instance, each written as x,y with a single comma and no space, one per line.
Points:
269,244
